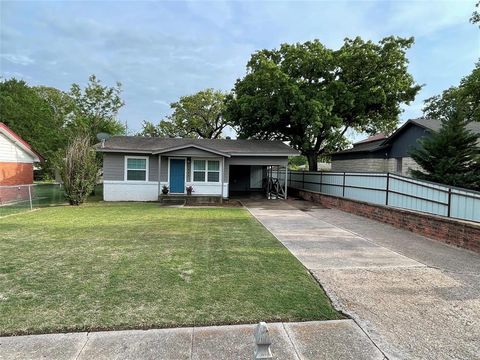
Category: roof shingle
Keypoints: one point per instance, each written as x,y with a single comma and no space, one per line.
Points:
227,146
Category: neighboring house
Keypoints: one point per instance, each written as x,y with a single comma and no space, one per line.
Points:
136,168
389,154
16,158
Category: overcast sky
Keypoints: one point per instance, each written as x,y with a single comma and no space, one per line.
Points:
160,51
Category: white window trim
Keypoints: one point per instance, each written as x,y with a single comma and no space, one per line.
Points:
147,165
220,171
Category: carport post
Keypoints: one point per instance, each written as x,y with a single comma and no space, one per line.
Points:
286,182
223,176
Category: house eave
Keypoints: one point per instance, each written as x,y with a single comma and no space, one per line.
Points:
98,149
22,144
264,154
181,147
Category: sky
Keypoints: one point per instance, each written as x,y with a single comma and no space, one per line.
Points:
160,51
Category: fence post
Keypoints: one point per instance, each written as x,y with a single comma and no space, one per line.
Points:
30,197
303,180
262,342
449,201
343,187
388,186
321,180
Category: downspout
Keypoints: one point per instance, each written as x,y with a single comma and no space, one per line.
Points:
223,176
159,174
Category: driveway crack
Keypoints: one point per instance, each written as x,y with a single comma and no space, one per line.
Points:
292,342
83,347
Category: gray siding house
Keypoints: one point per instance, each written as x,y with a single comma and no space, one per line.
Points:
388,154
136,168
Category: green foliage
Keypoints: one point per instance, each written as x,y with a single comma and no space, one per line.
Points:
61,104
79,170
31,115
96,109
463,99
450,156
149,129
295,162
195,116
475,19
310,95
47,117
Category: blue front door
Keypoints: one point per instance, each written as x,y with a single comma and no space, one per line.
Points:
177,176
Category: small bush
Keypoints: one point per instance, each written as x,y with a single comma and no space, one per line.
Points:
79,170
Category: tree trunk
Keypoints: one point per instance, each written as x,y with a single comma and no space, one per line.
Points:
312,161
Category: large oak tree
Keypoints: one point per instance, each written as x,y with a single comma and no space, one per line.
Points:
200,115
310,95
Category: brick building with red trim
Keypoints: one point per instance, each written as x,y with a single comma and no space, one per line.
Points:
16,158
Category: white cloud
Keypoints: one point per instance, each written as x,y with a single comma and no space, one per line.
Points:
18,59
161,102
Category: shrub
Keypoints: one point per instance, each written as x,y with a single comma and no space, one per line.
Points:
79,170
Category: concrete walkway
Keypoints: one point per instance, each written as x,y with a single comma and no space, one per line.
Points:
416,298
339,339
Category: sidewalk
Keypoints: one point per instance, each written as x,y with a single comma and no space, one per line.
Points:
336,340
416,298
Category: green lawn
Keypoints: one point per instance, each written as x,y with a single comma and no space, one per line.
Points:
132,265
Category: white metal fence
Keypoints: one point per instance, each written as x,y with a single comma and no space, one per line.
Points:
19,198
392,190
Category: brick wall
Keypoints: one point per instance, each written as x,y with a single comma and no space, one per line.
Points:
455,232
12,173
375,165
409,164
366,164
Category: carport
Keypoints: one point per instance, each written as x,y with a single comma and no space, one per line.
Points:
246,180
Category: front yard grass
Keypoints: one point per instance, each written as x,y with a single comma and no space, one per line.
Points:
130,265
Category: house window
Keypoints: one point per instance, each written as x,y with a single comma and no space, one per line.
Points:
136,168
213,174
206,171
399,165
199,167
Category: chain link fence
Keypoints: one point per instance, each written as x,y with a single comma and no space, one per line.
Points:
20,198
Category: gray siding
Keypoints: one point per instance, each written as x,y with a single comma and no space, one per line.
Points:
114,166
153,168
164,169
253,160
190,152
407,141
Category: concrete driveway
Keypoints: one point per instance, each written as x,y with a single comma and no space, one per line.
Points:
416,298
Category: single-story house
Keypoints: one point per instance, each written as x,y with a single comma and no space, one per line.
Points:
136,168
380,153
17,158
